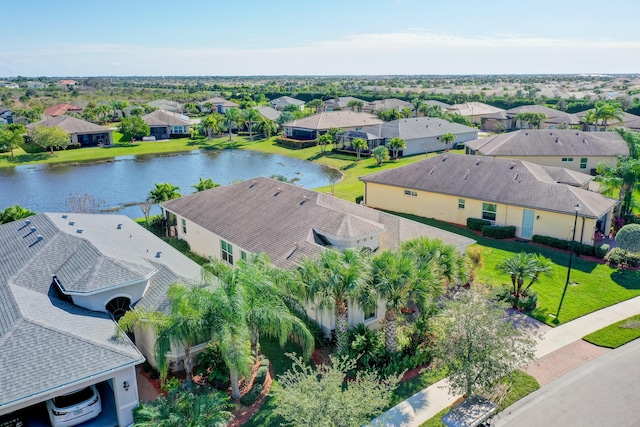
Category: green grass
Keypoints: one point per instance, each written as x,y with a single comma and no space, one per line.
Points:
597,285
521,385
617,334
407,389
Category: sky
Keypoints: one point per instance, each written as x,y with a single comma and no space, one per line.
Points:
328,37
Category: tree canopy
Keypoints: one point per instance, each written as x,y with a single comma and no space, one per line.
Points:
49,137
134,127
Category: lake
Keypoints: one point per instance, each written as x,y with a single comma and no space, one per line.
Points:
128,179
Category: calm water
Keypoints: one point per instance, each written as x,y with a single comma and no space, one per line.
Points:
45,188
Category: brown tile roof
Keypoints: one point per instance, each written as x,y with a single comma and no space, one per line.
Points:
265,215
335,119
60,109
556,142
491,179
71,125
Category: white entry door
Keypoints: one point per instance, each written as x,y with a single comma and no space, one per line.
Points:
527,223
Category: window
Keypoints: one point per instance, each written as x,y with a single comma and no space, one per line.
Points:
227,252
184,226
243,255
370,314
567,159
287,131
410,193
460,203
583,162
489,211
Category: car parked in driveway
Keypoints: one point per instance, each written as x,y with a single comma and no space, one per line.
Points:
74,408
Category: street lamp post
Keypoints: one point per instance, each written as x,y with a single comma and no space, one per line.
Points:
575,224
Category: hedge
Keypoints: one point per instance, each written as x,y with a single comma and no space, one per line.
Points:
294,143
579,248
477,223
261,375
621,258
498,232
252,395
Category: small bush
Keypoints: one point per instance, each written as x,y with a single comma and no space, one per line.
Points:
294,143
601,250
525,303
179,244
498,232
359,199
477,223
264,362
252,395
628,238
618,257
579,248
261,375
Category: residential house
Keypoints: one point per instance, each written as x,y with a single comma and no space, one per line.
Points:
9,85
6,116
64,278
309,128
81,132
166,105
166,124
61,109
268,113
611,123
421,134
536,200
67,84
380,105
284,101
34,84
219,104
475,111
572,149
506,120
289,224
340,103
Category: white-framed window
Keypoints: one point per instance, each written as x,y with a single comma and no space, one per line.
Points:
226,250
184,226
461,203
410,193
583,162
370,314
489,211
567,159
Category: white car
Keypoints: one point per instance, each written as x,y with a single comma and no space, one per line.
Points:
74,408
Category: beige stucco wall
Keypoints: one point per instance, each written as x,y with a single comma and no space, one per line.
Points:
445,208
592,162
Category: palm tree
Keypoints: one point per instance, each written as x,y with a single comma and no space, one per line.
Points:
212,124
14,213
335,279
359,144
399,280
267,127
316,104
589,118
448,139
522,267
205,184
355,105
251,116
324,140
406,112
234,118
606,111
396,144
163,192
626,176
448,263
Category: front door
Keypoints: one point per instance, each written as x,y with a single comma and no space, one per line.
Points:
527,223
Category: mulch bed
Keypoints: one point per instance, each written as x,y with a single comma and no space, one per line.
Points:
243,413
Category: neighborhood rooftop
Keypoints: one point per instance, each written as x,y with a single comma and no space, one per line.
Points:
417,127
70,125
334,119
165,118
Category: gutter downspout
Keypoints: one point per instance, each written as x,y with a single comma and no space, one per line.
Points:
582,233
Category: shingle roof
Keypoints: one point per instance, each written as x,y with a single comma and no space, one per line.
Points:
71,125
510,182
283,101
165,104
268,112
335,119
388,104
626,117
473,109
418,127
553,116
557,142
55,341
60,109
165,118
342,101
220,101
265,215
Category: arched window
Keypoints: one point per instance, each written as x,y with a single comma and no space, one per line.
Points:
118,307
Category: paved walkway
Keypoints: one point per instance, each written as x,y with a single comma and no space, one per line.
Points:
427,403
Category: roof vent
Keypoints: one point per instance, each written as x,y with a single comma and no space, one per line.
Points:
39,237
557,138
466,175
27,221
79,231
252,183
516,177
119,227
513,165
584,140
304,199
158,254
64,216
444,157
477,162
33,229
279,190
431,171
577,133
526,133
72,223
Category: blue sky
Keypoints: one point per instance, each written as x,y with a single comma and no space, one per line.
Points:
329,37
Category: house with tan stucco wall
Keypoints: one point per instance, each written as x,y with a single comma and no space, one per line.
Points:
537,200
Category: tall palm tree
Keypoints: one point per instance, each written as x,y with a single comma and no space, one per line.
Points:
324,140
251,116
606,111
205,184
267,127
589,118
400,280
522,267
234,118
333,281
625,176
448,139
448,263
163,192
212,124
359,144
396,144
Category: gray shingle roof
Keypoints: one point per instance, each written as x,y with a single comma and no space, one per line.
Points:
418,127
557,142
553,116
283,101
626,117
165,118
71,125
511,182
388,104
268,112
265,215
335,119
342,101
165,104
473,109
220,101
57,342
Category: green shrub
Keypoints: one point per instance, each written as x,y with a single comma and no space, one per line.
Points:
264,362
294,143
359,199
601,250
618,257
211,364
498,232
179,244
579,248
171,384
252,395
525,303
477,223
261,375
628,238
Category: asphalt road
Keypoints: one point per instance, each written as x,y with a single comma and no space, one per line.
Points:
603,392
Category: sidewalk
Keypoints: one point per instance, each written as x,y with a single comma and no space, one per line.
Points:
427,403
